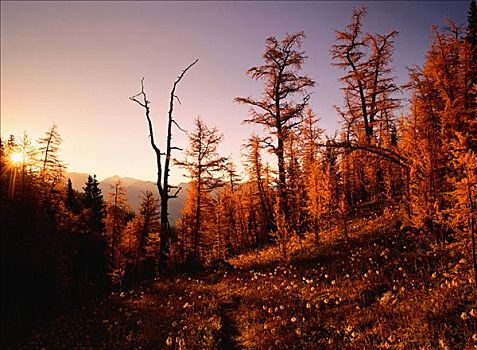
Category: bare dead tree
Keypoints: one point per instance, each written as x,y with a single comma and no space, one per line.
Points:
163,186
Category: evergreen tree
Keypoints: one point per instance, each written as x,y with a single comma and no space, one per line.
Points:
94,205
472,40
472,25
72,202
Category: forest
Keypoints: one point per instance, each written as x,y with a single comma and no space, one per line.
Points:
360,240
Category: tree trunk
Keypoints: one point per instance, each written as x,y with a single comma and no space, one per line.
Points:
472,230
197,223
163,186
282,178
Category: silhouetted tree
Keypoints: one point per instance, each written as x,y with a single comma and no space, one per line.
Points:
472,36
472,23
72,202
163,186
368,84
277,110
94,211
51,170
369,89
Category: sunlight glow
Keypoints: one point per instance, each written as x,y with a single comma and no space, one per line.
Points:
16,157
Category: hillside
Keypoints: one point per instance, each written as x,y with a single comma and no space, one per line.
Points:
330,155
134,189
386,288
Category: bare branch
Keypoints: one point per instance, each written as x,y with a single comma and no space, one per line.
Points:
380,151
178,126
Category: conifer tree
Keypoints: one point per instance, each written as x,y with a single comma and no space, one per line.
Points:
313,176
150,219
116,219
368,115
51,170
204,165
277,110
72,202
130,241
472,23
441,110
259,186
298,219
230,212
472,37
94,212
368,83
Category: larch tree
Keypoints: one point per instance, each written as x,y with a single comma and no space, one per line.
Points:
150,219
165,190
309,140
258,185
130,242
284,100
51,168
116,215
368,84
49,146
231,208
298,218
439,139
441,114
463,198
368,115
204,165
140,238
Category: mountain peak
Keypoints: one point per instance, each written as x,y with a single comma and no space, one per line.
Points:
134,191
125,181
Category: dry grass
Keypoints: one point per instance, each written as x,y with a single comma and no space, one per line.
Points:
384,289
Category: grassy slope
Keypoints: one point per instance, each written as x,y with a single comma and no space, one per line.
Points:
383,289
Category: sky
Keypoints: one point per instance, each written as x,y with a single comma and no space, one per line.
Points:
77,63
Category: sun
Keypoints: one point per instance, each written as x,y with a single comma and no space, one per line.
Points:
16,157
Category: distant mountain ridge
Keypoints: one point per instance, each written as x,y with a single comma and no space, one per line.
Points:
134,189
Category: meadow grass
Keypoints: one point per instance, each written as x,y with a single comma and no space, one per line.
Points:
385,288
